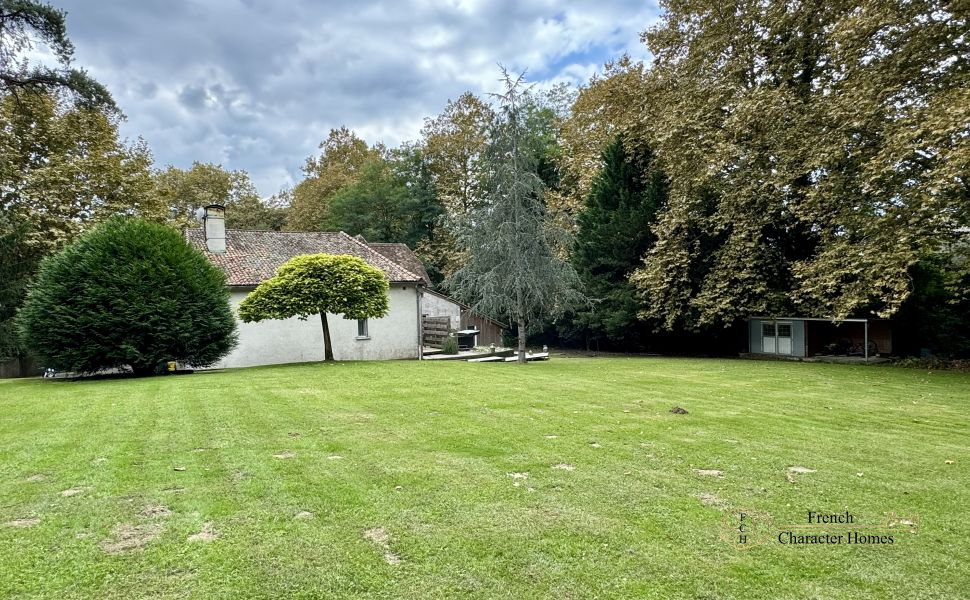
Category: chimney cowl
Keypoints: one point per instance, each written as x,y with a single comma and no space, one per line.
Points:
214,225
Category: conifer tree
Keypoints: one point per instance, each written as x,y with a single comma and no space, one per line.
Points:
614,231
513,271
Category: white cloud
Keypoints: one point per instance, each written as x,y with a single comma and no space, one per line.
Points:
256,85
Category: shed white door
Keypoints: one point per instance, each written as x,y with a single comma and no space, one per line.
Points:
768,338
776,340
784,338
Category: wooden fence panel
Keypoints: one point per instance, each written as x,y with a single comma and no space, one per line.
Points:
434,330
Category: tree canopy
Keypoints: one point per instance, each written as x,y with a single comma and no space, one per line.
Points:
319,284
130,293
62,170
614,230
816,151
342,156
512,269
26,24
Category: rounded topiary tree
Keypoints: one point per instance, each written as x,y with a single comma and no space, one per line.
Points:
129,293
317,284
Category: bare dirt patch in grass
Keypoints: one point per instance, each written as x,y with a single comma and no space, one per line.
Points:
22,523
796,470
335,457
201,449
382,539
518,478
239,476
153,511
563,467
72,492
303,515
38,477
709,472
128,538
207,534
285,455
711,500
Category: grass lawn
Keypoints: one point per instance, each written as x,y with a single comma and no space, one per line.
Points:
440,480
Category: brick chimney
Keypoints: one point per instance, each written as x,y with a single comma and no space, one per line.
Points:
214,224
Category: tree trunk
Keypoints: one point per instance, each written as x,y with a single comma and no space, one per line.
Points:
327,348
522,341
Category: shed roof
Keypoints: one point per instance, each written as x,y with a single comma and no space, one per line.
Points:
252,257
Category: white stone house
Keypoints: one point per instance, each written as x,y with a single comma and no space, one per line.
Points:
251,257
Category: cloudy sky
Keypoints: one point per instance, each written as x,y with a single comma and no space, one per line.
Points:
256,85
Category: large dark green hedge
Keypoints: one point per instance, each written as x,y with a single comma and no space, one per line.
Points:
128,294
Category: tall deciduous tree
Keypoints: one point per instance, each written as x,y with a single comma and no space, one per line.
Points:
390,202
512,270
26,24
611,105
249,211
317,284
62,169
341,159
835,138
182,191
613,233
455,143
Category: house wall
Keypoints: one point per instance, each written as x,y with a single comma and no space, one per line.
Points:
270,342
797,336
433,305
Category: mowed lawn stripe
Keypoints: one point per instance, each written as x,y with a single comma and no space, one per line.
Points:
568,479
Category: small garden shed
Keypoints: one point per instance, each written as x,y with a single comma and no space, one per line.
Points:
805,337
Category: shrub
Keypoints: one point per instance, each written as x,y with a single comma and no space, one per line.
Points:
450,346
317,284
128,294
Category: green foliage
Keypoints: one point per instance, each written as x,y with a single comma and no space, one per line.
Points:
129,293
450,346
512,270
936,316
25,25
62,170
182,191
319,283
341,159
250,212
614,231
391,201
834,139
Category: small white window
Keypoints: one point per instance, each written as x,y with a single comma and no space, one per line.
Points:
362,329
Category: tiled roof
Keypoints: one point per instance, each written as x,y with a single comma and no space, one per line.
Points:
253,256
402,255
